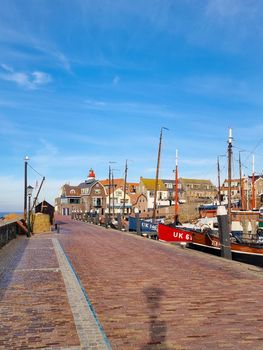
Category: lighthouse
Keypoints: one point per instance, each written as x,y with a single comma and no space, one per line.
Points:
91,176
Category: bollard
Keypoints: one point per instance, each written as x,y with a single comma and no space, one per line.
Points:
119,221
58,228
96,218
224,237
106,220
138,224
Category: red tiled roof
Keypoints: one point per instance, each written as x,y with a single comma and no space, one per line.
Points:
135,196
72,191
119,183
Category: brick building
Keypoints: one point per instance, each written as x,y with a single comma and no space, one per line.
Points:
93,195
68,200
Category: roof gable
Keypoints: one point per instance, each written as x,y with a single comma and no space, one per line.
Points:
71,191
149,184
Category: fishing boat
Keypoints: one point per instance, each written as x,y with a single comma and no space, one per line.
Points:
205,235
207,240
247,249
146,228
172,233
246,252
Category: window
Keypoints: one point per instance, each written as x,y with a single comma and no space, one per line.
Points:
126,200
72,191
96,202
74,201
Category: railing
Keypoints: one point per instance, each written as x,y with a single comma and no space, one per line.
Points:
134,224
8,231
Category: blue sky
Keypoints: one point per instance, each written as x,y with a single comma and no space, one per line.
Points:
86,82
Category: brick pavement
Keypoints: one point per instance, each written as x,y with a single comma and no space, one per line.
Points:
150,295
41,301
146,294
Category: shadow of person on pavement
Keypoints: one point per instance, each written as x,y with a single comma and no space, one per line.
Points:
157,327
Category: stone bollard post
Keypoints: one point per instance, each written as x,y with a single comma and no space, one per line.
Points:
119,221
138,223
106,220
224,236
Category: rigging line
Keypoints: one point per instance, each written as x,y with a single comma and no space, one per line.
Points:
237,161
246,151
35,170
255,147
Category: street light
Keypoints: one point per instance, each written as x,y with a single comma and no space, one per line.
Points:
29,191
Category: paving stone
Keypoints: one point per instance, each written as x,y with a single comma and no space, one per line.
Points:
146,295
150,295
34,309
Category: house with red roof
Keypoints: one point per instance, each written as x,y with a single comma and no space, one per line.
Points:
69,200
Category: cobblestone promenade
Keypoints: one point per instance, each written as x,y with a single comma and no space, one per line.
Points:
145,294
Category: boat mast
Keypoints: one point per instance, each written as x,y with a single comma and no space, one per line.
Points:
25,187
125,183
109,190
241,183
176,189
113,189
218,179
230,139
253,204
157,174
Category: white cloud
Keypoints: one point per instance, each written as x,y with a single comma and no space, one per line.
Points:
7,68
28,80
145,110
116,80
40,78
62,59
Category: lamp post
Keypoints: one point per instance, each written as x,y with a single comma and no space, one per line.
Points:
29,195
